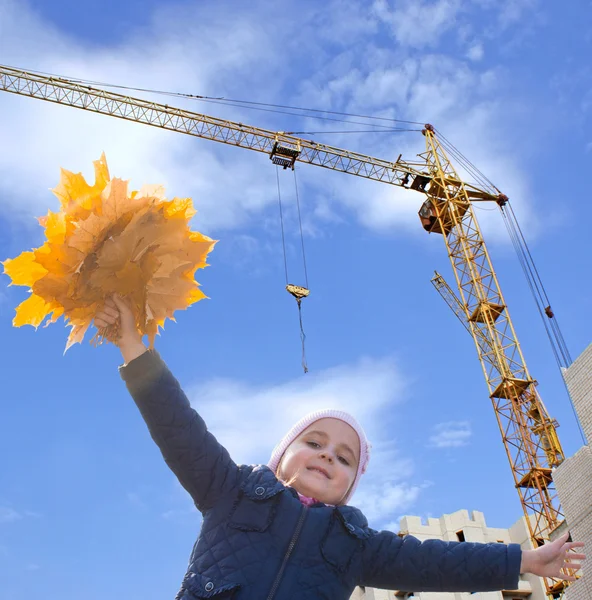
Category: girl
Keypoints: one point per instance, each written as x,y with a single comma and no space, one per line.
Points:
284,530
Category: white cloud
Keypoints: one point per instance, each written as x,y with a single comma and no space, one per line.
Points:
513,11
60,136
418,23
475,52
381,501
33,514
458,100
9,515
452,434
136,500
249,421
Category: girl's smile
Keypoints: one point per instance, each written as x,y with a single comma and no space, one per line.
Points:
322,461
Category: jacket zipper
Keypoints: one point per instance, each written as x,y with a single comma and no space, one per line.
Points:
293,541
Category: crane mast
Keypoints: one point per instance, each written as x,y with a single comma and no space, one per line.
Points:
528,434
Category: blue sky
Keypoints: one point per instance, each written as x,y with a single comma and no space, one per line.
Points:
86,501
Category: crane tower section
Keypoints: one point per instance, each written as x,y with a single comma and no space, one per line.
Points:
529,435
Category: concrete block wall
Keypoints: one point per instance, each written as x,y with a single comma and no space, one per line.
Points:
578,378
573,478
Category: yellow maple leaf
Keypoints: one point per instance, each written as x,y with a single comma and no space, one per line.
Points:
24,269
31,312
105,240
75,195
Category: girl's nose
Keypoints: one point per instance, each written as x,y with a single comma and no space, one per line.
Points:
327,456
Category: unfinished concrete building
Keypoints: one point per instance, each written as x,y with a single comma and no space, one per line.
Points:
573,480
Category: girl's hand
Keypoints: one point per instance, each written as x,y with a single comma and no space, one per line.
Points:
117,310
552,559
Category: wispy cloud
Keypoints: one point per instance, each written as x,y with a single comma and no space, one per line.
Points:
513,11
418,23
381,501
136,500
452,434
475,52
9,515
233,187
250,420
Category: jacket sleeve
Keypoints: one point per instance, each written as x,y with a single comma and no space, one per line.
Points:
394,563
202,465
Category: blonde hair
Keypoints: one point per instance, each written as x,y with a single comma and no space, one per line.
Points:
292,479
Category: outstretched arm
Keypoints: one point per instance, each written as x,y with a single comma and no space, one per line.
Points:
391,562
202,465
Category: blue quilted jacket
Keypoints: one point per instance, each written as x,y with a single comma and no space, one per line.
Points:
257,540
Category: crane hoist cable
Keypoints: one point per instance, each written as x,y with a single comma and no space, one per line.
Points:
533,278
560,350
558,344
297,291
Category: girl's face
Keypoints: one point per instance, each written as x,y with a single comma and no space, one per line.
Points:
322,461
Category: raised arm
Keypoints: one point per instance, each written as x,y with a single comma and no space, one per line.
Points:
391,562
202,465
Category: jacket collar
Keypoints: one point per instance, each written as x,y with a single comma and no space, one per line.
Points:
261,483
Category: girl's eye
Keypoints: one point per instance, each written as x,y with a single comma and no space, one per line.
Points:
344,461
313,444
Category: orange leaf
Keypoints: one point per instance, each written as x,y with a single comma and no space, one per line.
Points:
75,195
24,270
179,208
90,232
31,312
58,259
196,295
115,201
76,335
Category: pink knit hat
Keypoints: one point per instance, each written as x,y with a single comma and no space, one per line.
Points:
305,422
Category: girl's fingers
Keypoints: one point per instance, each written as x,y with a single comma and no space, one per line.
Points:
106,318
111,311
99,323
121,304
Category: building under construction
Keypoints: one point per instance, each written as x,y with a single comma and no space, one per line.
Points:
573,479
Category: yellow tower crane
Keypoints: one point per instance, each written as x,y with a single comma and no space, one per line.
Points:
528,433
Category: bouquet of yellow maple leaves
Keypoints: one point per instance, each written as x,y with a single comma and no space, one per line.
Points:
106,240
